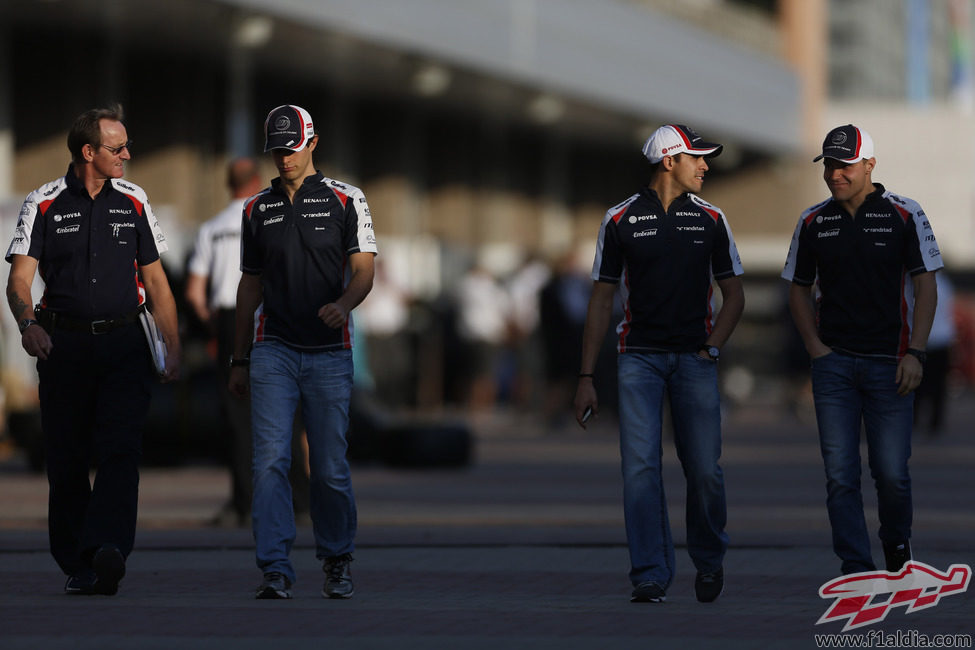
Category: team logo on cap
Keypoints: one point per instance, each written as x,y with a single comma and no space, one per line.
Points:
282,123
838,138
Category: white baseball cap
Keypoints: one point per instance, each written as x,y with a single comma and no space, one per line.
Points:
672,139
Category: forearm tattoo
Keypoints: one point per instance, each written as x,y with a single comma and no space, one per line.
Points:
17,305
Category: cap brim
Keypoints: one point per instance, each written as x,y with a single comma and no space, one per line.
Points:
715,152
709,150
293,149
843,160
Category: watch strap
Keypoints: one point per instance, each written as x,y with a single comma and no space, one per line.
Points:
24,324
920,355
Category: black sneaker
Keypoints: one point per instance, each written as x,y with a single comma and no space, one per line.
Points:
338,580
897,555
80,584
708,586
109,566
275,586
648,592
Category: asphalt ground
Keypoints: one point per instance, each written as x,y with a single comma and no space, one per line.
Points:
523,549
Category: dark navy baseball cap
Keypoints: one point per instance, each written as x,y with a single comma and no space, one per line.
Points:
847,144
288,127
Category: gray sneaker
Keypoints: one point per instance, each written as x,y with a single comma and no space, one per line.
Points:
275,586
338,581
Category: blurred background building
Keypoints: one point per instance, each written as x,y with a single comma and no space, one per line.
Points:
493,134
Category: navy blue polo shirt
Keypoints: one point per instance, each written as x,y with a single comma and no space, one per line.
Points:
665,262
89,250
300,249
861,265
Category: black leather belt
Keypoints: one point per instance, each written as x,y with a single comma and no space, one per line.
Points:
50,320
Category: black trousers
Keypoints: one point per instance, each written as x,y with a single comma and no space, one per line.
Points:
94,395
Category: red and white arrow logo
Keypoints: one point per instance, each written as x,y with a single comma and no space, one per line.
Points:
867,598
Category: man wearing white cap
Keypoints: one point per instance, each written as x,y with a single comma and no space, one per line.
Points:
307,259
663,248
866,333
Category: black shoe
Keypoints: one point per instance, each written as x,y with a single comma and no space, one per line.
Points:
338,579
80,584
648,592
109,566
708,586
897,555
275,586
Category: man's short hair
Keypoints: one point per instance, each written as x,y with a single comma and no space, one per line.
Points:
240,172
87,128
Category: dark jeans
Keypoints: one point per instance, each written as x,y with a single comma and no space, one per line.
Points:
691,383
850,393
94,394
237,415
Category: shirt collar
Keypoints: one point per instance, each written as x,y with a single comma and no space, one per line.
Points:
309,180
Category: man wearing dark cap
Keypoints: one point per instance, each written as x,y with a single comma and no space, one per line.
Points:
862,270
307,255
211,290
96,244
663,248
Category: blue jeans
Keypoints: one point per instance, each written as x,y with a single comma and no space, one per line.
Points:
279,377
692,385
849,390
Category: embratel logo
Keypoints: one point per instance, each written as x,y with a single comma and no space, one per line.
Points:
867,598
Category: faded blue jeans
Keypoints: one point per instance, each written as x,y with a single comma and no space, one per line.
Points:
849,391
279,377
692,385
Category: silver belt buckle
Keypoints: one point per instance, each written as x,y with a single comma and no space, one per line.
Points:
95,324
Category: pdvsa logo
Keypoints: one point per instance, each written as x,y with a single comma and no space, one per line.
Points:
866,598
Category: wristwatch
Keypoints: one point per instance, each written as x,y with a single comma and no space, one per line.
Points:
713,352
24,324
921,355
241,361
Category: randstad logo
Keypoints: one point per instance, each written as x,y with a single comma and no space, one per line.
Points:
866,598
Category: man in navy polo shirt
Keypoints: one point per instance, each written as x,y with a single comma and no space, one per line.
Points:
870,258
307,257
663,248
96,243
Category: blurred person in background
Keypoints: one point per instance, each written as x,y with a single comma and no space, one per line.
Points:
664,248
483,327
525,359
383,320
211,291
866,335
307,257
931,393
562,313
96,243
